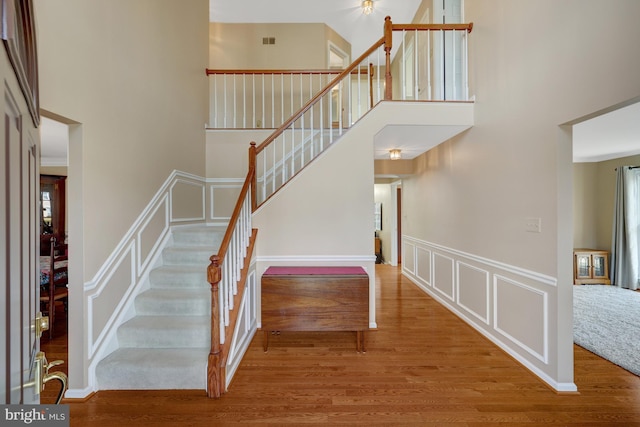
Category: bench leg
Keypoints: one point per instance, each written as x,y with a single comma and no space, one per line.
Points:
360,341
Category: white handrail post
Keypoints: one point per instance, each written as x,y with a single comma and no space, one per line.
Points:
429,49
235,96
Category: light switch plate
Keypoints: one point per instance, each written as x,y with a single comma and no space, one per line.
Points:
533,225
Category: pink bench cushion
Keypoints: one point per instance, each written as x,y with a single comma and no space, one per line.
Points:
313,271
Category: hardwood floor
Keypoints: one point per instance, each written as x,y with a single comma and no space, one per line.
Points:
423,366
55,349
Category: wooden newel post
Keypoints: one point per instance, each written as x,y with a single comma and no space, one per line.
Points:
252,167
388,44
214,376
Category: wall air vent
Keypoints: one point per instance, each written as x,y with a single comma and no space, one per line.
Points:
268,40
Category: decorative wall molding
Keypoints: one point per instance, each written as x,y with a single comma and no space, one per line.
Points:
534,306
191,181
139,250
507,304
214,184
475,300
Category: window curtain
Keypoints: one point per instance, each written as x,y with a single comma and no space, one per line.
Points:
626,224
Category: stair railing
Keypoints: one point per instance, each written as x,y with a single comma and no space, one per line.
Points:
313,128
349,96
249,99
227,275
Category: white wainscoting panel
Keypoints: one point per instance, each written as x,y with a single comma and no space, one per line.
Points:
423,265
507,304
521,315
409,257
443,275
223,194
105,302
473,291
187,199
151,231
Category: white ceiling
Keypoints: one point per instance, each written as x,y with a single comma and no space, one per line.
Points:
412,140
609,136
54,138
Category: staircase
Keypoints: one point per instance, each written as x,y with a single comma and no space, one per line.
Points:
166,344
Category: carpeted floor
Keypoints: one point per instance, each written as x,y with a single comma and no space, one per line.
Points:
606,321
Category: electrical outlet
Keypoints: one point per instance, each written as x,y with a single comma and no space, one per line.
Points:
533,225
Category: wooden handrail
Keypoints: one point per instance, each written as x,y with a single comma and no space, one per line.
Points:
215,376
236,214
319,95
252,166
212,71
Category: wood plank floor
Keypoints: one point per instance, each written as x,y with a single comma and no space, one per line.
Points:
423,366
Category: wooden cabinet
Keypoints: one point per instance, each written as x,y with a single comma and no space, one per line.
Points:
590,266
315,299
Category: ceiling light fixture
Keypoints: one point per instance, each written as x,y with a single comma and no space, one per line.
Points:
367,7
395,154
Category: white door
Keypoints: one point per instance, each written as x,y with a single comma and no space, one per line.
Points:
19,187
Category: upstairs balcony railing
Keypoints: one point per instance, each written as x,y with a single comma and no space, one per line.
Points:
412,75
429,65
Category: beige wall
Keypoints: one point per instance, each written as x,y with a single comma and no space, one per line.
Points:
534,66
297,46
132,75
480,186
594,193
128,77
228,151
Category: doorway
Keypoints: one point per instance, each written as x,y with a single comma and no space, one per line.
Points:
70,132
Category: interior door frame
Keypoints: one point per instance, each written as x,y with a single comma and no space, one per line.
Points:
396,238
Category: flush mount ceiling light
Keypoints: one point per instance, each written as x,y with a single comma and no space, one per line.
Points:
395,154
367,7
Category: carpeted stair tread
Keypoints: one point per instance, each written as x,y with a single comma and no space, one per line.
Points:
153,369
166,344
165,331
174,302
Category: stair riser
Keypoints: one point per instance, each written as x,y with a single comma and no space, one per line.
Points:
206,238
201,257
181,307
164,278
149,338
